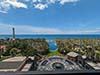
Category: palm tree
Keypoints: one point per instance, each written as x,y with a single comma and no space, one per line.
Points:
97,56
13,52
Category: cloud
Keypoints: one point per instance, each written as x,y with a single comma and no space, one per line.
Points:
46,30
89,31
40,6
94,31
67,1
6,5
16,4
54,1
3,11
7,29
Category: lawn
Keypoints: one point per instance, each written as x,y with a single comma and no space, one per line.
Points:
4,57
97,52
54,53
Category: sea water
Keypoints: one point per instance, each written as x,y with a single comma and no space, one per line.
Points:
50,36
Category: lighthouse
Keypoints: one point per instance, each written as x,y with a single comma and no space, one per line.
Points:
13,33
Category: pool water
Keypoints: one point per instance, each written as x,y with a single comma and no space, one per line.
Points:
52,45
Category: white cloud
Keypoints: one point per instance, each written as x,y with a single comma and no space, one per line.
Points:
93,31
40,6
54,1
46,30
51,1
16,4
67,1
7,29
3,11
5,5
89,31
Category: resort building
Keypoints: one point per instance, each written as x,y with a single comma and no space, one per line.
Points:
2,48
28,65
73,56
53,63
57,63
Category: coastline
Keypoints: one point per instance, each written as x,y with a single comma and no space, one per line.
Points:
52,36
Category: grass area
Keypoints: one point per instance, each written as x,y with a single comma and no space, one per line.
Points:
19,54
97,52
53,53
4,57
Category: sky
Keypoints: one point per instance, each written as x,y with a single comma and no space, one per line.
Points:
50,16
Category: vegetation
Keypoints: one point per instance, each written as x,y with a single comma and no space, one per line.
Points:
4,57
87,47
24,47
30,47
54,53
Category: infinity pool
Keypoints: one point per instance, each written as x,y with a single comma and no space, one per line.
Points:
52,45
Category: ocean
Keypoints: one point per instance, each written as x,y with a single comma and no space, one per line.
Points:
50,36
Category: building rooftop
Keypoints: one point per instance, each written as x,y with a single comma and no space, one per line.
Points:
72,54
57,63
12,64
14,59
96,66
84,56
27,67
9,65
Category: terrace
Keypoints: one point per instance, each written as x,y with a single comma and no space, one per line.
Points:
12,64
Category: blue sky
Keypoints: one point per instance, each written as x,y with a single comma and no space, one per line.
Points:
50,16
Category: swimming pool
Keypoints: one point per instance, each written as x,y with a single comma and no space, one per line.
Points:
52,45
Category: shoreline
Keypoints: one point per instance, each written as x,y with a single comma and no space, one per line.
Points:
51,37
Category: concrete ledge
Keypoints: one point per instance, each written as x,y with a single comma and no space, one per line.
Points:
50,72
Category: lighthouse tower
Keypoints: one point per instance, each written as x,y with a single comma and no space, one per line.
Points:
13,34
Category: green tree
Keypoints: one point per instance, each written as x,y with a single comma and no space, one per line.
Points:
13,52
